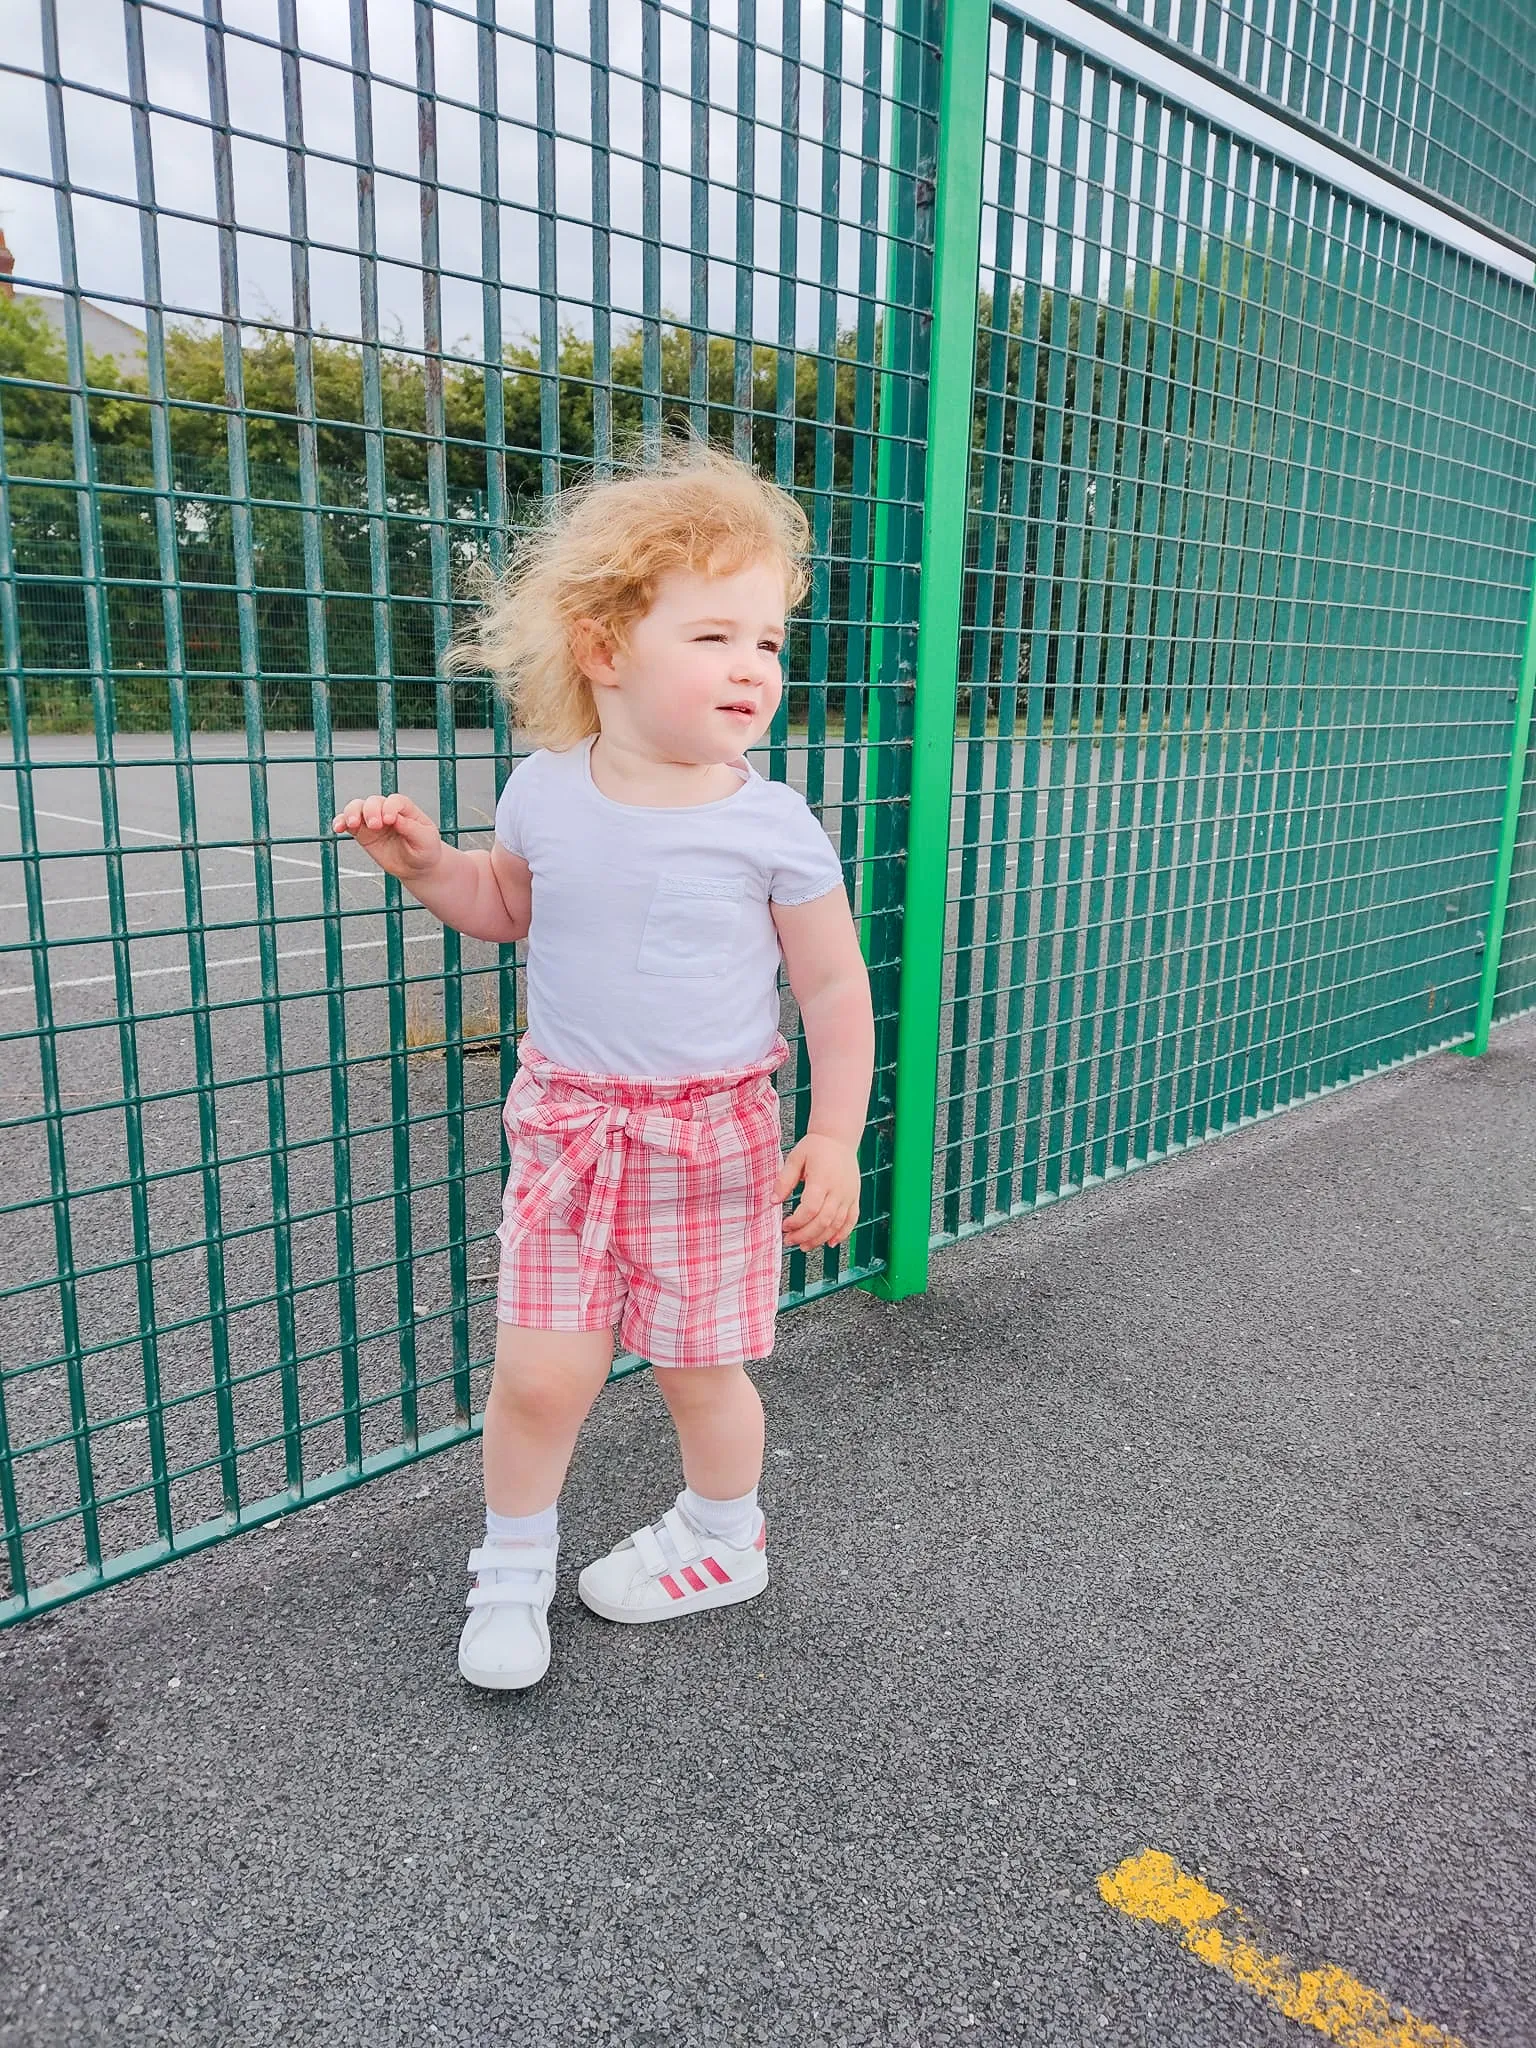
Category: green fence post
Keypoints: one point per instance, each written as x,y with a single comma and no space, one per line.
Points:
951,374
1514,791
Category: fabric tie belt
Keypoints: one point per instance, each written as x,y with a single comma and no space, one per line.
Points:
599,1117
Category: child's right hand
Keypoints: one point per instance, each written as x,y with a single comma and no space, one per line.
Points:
394,832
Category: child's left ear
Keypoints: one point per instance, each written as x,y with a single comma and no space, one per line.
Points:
592,651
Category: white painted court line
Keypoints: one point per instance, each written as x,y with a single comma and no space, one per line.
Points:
292,860
70,818
204,889
24,988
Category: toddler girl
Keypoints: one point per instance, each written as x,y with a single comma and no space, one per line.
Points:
658,881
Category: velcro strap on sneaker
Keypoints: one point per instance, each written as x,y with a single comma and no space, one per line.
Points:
685,1538
651,1554
512,1557
498,1593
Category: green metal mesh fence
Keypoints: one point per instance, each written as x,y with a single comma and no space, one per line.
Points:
400,269
1442,91
1252,490
1517,960
1248,556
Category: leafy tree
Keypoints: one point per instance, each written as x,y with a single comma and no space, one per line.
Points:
46,505
1047,466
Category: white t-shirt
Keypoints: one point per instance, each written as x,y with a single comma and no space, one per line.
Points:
652,949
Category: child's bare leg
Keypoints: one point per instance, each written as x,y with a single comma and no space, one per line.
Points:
710,1551
719,1422
544,1383
541,1389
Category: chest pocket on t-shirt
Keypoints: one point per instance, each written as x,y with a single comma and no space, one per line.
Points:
691,925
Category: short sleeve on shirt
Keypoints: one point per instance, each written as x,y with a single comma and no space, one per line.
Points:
805,863
509,814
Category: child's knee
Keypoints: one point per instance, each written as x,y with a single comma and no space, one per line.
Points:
696,1388
544,1377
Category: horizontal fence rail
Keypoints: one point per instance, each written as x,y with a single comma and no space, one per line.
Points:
1161,680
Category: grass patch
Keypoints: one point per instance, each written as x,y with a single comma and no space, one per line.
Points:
480,1038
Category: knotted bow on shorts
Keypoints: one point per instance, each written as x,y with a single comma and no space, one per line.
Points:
649,1201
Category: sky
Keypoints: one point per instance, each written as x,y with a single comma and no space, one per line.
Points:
93,63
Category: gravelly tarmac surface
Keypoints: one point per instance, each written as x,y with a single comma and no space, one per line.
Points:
1195,1512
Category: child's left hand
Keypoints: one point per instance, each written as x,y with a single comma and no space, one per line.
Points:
829,1208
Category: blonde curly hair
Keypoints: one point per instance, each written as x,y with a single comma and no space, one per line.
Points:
598,552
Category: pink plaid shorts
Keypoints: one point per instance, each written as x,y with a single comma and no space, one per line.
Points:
646,1204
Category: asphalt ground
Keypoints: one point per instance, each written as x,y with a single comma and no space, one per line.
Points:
1194,1513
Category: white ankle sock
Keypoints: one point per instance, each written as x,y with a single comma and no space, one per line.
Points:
727,1521
541,1528
503,1532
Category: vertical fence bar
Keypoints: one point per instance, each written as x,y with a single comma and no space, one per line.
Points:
1043,759
375,474
548,238
902,368
1509,831
862,643
823,542
98,647
447,715
1190,722
1125,392
316,649
435,423
496,508
494,367
1069,774
698,221
1231,428
602,246
1026,550
650,218
1104,264
244,548
1268,377
48,1070
995,520
785,405
167,543
975,664
743,341
946,491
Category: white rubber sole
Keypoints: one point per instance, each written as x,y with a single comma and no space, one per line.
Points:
668,1609
500,1681
499,1677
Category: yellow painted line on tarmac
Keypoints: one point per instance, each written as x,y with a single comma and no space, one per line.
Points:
1152,1887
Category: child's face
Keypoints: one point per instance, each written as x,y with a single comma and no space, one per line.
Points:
700,679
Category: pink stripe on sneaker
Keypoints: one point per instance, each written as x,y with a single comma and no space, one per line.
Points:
762,1538
717,1572
672,1586
693,1578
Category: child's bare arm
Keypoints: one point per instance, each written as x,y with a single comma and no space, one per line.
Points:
483,895
831,984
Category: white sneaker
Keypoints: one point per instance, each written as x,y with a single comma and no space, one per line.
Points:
669,1570
504,1644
